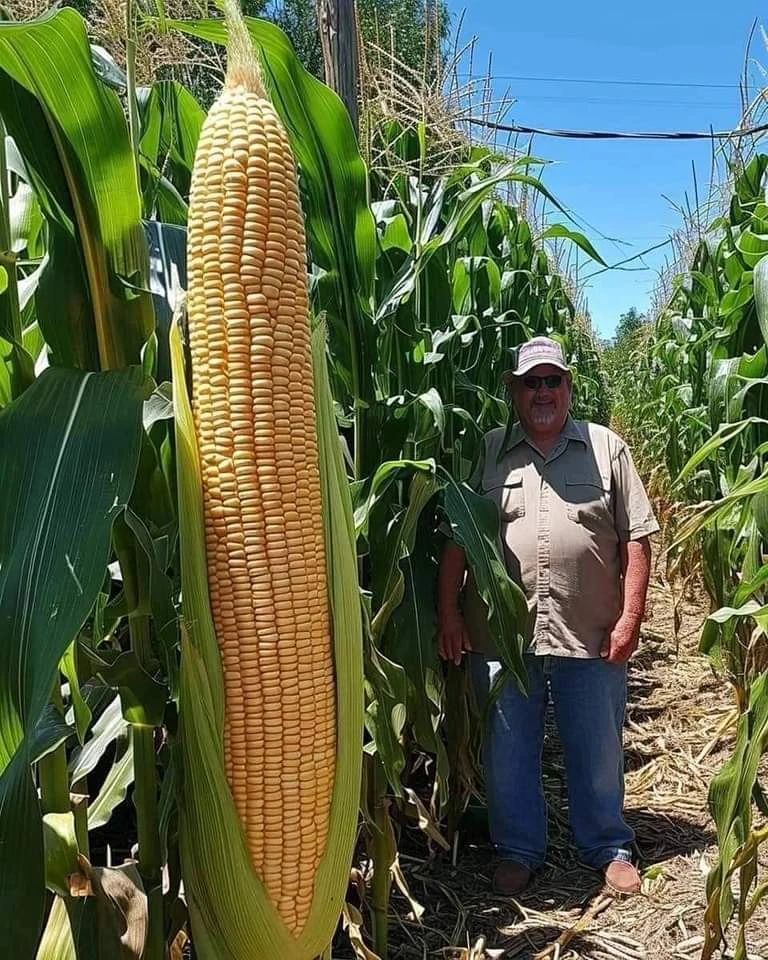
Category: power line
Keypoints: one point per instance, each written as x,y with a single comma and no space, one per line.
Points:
603,81
624,101
614,135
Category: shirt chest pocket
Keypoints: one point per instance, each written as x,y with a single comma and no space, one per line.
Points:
509,496
588,498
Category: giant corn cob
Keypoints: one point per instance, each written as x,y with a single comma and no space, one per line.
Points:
254,419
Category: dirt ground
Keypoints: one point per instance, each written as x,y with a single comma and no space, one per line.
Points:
673,748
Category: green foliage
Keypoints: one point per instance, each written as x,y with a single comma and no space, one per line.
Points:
617,355
426,285
692,396
298,21
414,30
628,326
74,145
71,445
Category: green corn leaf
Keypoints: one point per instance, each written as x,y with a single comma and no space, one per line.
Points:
50,732
560,232
723,436
467,205
710,512
167,277
750,609
110,725
411,640
60,851
113,790
73,138
161,596
367,495
475,524
399,545
386,713
142,697
80,708
730,797
760,279
57,942
171,121
70,450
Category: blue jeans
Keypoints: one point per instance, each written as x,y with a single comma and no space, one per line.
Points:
589,698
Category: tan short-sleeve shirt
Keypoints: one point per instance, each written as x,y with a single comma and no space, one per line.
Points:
562,519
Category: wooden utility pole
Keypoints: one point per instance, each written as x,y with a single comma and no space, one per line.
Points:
338,34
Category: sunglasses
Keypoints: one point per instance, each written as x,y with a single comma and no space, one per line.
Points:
552,381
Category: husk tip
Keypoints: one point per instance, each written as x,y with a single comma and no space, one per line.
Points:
243,68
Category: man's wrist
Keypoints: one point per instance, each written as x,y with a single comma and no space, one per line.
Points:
450,609
632,617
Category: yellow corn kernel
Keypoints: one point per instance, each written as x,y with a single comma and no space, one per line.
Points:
254,414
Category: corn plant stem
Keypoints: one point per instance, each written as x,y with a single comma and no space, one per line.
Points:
22,377
136,593
143,737
150,854
9,260
53,772
130,76
145,772
381,883
79,801
357,441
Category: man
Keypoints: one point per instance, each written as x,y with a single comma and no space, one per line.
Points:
575,522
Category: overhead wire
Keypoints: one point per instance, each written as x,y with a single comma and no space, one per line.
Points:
711,135
618,101
602,81
617,135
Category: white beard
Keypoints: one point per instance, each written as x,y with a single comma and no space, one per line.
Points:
543,416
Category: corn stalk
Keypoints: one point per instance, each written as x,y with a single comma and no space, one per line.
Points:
425,287
700,428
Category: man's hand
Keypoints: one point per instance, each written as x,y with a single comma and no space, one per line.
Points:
452,637
622,641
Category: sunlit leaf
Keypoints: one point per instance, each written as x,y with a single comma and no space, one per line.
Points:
70,449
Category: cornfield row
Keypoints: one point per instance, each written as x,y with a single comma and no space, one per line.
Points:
692,397
419,286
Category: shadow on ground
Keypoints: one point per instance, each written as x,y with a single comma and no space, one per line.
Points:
661,837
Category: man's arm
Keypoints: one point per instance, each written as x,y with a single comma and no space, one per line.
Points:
453,639
636,571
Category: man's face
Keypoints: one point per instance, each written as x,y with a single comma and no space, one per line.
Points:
542,409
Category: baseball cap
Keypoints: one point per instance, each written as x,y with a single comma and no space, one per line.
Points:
536,352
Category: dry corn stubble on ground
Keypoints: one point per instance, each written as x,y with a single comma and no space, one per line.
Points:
672,750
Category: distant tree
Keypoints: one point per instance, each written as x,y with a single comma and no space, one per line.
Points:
298,20
414,30
628,325
616,351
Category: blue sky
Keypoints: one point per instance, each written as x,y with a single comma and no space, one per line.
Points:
619,188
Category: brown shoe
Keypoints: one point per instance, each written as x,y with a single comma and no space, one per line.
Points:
511,878
622,877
